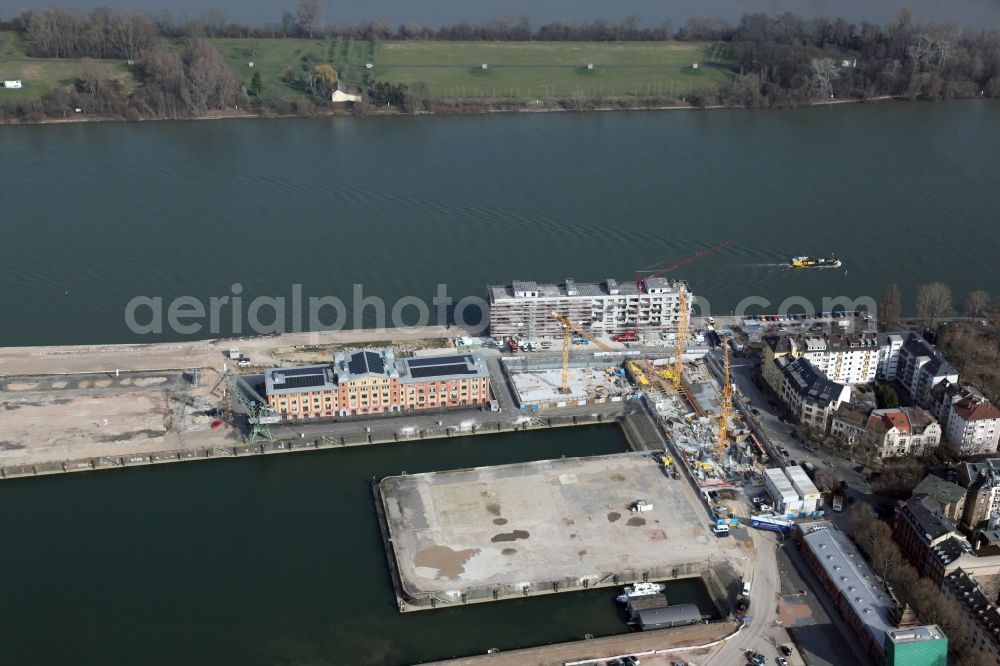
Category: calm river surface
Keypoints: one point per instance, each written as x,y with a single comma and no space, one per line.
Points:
94,215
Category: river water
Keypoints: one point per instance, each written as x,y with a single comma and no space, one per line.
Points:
94,215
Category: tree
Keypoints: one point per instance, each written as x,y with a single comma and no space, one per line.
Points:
308,14
886,397
325,73
256,85
823,72
976,303
933,302
93,75
890,307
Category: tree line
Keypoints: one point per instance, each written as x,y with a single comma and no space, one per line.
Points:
779,60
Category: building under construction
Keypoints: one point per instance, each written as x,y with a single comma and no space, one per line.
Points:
524,309
700,422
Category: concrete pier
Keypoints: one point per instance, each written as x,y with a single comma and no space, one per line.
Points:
545,527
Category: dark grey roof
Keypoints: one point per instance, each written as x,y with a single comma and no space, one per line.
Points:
669,615
923,514
937,366
809,382
943,491
979,606
951,549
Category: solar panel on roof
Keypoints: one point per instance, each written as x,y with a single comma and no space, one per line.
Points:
435,360
375,363
292,372
357,363
304,381
441,370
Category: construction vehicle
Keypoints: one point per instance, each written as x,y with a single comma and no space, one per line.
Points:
667,461
637,373
259,414
568,330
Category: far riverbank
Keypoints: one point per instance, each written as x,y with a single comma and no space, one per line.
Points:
447,108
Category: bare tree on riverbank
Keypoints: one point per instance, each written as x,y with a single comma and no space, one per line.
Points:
889,310
977,303
933,302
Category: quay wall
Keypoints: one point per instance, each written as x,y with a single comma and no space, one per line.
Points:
360,437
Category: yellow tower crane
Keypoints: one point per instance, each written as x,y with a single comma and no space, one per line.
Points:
682,335
727,403
568,329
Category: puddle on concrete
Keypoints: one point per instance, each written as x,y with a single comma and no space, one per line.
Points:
636,522
510,536
499,521
613,516
449,563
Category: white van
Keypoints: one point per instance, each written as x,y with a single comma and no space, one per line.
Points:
721,530
746,589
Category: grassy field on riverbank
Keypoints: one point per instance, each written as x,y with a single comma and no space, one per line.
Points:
40,75
549,70
441,70
274,57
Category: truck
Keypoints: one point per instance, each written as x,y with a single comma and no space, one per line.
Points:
838,503
627,336
512,343
771,524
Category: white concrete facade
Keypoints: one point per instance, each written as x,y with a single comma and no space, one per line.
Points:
525,309
973,426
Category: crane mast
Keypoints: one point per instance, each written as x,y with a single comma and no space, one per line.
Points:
568,329
682,335
727,403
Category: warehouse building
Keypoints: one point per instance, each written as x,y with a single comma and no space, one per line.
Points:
600,308
779,487
868,606
373,381
809,494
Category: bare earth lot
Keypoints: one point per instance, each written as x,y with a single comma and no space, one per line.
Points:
90,401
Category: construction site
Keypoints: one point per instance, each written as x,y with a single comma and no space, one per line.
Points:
77,408
690,393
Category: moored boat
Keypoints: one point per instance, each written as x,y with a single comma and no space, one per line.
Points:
640,589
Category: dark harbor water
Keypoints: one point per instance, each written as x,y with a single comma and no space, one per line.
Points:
267,561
